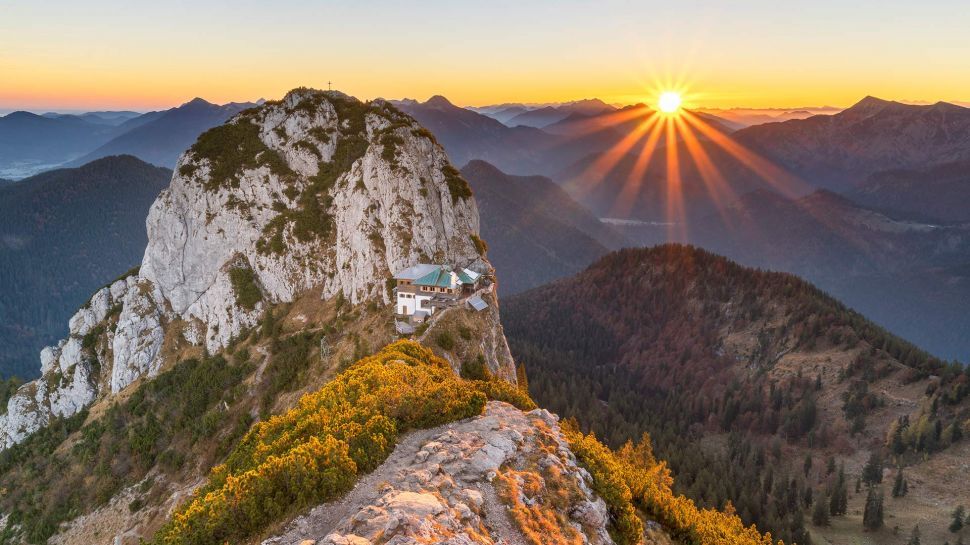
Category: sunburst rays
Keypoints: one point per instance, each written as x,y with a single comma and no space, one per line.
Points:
676,139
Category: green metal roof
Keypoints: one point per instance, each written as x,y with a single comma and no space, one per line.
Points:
439,278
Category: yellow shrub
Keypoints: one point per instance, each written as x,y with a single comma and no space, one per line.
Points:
314,452
633,478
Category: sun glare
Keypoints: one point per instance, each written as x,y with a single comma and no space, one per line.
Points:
669,102
677,150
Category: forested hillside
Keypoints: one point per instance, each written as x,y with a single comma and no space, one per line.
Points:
759,389
63,234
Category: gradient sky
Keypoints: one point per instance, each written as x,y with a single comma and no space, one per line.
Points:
134,54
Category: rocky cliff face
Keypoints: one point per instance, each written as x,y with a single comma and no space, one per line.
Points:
317,191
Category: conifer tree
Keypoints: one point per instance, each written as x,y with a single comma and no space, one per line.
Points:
820,513
957,524
839,498
872,472
899,485
872,514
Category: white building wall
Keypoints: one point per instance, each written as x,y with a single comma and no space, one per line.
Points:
407,305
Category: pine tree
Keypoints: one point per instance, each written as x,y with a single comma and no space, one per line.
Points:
872,472
958,514
872,514
839,498
899,485
807,465
820,513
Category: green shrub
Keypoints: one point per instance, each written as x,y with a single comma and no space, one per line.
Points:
480,246
475,369
390,142
291,358
422,132
457,185
244,285
8,387
445,340
308,146
187,170
232,148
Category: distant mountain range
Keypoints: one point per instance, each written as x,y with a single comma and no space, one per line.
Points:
63,234
737,117
839,151
523,150
535,231
542,117
747,117
163,136
467,135
31,143
99,118
938,193
636,183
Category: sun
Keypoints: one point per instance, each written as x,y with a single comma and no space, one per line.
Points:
669,102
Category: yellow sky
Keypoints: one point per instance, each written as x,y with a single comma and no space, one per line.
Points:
144,55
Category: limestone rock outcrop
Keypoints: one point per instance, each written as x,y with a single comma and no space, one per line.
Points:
70,371
316,191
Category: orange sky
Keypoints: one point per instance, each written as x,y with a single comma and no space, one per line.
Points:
137,55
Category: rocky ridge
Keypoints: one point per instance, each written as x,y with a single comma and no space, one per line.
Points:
316,191
483,480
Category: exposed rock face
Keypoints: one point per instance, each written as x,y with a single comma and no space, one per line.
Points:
70,370
315,191
462,484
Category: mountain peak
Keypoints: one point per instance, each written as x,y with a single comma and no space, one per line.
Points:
871,105
439,101
870,101
197,102
21,114
826,197
589,102
943,106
